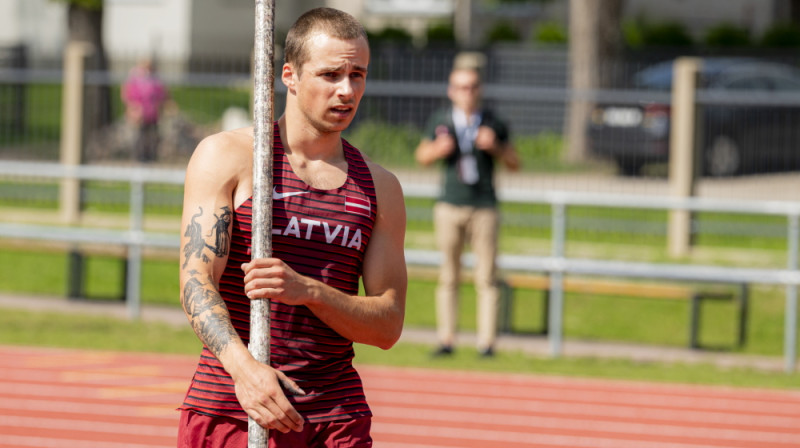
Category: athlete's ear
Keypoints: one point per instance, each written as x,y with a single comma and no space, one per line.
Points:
287,76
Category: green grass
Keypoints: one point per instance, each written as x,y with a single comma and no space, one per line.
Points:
591,317
51,329
205,105
45,273
656,322
98,196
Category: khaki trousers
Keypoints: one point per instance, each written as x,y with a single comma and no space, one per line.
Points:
454,226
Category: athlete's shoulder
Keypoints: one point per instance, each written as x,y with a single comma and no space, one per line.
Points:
224,154
227,144
230,142
378,172
387,185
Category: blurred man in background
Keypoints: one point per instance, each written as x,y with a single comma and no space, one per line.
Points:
468,140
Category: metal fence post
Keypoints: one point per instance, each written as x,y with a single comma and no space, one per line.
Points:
134,271
683,150
70,154
790,332
556,296
71,127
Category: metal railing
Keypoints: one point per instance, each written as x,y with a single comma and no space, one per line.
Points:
557,265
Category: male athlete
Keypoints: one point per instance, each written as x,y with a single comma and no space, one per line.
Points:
336,218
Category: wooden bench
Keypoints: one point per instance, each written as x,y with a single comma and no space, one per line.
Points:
695,294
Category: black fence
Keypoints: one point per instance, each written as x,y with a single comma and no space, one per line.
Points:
12,94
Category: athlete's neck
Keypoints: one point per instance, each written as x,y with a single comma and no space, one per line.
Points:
304,141
319,162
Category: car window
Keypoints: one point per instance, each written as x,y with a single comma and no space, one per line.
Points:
748,83
786,84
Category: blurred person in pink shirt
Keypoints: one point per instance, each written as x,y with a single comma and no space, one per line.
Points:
144,95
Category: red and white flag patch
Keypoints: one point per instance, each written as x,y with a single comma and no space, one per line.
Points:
360,206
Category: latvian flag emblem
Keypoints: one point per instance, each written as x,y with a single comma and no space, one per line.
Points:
357,205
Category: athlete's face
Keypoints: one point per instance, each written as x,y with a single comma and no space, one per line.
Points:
465,90
331,83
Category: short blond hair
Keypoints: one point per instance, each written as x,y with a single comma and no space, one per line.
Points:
332,22
470,60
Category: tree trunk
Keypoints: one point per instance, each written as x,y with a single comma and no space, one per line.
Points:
794,11
594,44
464,23
86,25
609,42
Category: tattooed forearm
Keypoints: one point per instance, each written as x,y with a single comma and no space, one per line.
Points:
201,300
208,314
220,235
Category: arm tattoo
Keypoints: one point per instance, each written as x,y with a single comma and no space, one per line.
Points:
201,299
196,245
220,230
208,314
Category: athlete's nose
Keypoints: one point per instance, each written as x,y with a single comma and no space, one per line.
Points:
346,90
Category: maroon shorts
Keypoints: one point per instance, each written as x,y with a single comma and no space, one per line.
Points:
202,431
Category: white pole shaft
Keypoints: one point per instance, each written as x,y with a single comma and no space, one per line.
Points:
263,81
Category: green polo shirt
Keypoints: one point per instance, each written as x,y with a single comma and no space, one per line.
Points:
454,191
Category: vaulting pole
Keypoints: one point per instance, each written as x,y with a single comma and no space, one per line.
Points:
263,101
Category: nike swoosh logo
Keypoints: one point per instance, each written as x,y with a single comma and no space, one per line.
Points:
278,196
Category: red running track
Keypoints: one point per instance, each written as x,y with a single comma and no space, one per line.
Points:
69,398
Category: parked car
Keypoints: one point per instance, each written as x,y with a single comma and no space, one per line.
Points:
750,135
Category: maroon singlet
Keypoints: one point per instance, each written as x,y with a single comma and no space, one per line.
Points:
322,234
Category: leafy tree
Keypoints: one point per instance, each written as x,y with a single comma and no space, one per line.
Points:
727,35
441,33
86,4
502,32
783,35
632,34
666,34
391,35
550,33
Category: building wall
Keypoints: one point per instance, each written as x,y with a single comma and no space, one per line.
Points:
180,28
40,24
10,33
222,28
134,28
756,15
